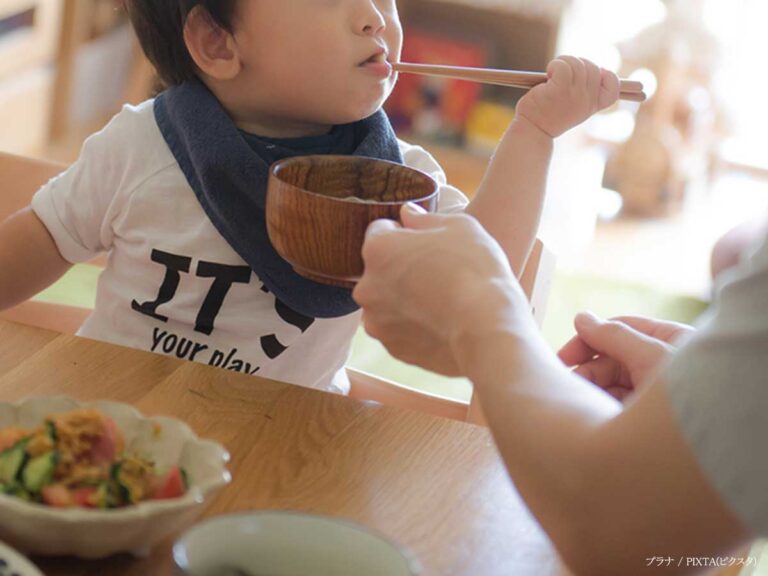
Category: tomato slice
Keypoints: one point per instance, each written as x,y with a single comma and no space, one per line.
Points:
109,445
58,496
85,497
171,485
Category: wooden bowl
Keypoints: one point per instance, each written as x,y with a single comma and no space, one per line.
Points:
319,207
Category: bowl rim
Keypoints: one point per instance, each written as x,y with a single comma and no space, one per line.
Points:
277,165
195,495
20,561
179,546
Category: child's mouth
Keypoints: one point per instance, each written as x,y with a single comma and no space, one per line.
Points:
377,59
378,66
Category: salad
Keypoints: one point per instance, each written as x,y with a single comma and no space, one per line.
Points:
78,459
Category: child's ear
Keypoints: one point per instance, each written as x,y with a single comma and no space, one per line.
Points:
212,48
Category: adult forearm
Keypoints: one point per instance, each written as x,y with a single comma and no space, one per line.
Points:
29,259
510,198
540,413
544,421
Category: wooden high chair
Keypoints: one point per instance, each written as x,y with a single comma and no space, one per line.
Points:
21,177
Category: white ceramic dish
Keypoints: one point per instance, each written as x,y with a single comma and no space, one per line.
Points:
39,529
288,544
11,562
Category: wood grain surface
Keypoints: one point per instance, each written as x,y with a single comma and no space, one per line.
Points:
435,486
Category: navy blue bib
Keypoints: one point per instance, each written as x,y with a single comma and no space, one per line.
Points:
228,171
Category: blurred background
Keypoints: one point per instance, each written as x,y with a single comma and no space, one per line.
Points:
637,198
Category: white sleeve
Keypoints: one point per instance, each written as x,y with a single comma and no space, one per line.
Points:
451,199
75,206
718,387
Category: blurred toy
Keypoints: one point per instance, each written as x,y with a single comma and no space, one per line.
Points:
675,130
433,107
486,125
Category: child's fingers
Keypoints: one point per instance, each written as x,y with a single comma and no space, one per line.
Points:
609,89
593,83
578,70
560,72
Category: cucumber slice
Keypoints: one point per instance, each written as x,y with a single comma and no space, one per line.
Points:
12,461
122,493
50,429
39,471
106,496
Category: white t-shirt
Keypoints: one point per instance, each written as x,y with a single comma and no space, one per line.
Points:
172,284
718,387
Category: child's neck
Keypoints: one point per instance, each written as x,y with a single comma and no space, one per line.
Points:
280,128
268,125
263,124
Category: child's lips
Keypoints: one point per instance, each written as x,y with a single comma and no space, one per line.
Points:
378,64
380,69
379,56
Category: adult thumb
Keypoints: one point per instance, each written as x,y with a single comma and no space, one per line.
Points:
415,217
613,339
380,227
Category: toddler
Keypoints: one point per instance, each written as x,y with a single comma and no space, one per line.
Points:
174,189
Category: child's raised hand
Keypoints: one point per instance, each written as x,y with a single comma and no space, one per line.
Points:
576,89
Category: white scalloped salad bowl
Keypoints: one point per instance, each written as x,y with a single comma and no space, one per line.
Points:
90,533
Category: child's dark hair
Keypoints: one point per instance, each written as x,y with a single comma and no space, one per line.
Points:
159,26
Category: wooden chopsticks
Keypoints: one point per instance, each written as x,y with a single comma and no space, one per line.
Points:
630,90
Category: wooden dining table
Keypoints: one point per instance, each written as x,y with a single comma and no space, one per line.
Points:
436,487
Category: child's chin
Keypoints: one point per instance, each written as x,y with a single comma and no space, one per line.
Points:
356,115
370,108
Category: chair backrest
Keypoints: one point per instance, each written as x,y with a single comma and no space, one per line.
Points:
536,279
21,177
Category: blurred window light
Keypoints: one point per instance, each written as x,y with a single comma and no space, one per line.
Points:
614,126
593,27
738,84
648,78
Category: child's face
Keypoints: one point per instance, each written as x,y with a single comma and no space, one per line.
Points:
306,63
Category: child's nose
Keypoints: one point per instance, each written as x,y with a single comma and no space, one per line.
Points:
370,21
